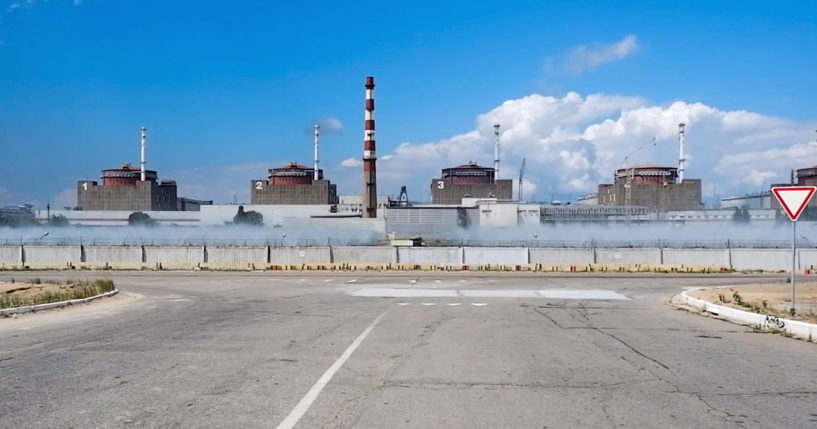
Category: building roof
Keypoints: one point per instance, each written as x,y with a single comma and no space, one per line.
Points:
471,164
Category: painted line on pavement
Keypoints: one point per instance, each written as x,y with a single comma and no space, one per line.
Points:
295,415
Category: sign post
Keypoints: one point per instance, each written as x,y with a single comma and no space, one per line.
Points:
793,199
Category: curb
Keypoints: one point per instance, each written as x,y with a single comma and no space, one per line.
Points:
795,328
48,306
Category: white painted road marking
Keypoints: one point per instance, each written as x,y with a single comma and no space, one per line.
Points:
452,304
478,304
312,394
327,280
587,294
403,303
428,303
352,281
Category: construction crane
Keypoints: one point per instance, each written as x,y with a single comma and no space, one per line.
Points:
521,176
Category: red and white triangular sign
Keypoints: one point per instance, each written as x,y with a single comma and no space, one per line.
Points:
793,198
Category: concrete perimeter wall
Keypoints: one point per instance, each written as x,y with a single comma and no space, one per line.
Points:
496,255
236,255
10,255
56,256
450,256
697,257
628,256
39,256
364,255
559,256
174,256
761,259
299,255
113,255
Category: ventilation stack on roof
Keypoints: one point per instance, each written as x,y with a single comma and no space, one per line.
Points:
682,158
369,156
496,150
316,128
144,162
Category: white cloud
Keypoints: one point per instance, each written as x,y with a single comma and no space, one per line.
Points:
351,162
588,57
66,198
573,143
758,178
328,126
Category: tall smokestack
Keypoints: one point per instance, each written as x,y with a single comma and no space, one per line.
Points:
144,139
681,158
496,152
369,156
316,127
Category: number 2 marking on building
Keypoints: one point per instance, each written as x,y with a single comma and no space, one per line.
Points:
258,185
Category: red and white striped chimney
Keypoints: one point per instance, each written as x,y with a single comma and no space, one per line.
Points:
369,156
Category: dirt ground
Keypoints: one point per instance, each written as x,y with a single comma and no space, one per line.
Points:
777,297
24,290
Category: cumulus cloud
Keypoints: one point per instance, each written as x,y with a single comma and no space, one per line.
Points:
66,198
573,143
351,162
585,58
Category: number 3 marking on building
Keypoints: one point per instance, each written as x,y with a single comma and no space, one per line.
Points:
258,185
440,185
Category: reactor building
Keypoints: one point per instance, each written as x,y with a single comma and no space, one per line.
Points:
295,184
648,185
129,188
471,181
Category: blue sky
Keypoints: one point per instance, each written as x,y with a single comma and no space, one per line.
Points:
229,90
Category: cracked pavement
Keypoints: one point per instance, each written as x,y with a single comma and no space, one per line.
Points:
198,349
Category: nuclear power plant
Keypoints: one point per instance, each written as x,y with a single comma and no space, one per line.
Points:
465,196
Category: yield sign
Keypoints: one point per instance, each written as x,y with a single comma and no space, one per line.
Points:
793,198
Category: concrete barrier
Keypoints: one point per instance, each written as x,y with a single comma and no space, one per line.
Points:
174,256
113,255
236,256
39,256
451,256
803,330
10,255
561,256
362,255
51,256
697,257
628,256
299,255
761,259
509,256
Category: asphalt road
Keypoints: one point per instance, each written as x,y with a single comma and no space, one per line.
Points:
259,349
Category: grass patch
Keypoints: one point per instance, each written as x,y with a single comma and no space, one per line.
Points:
63,292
